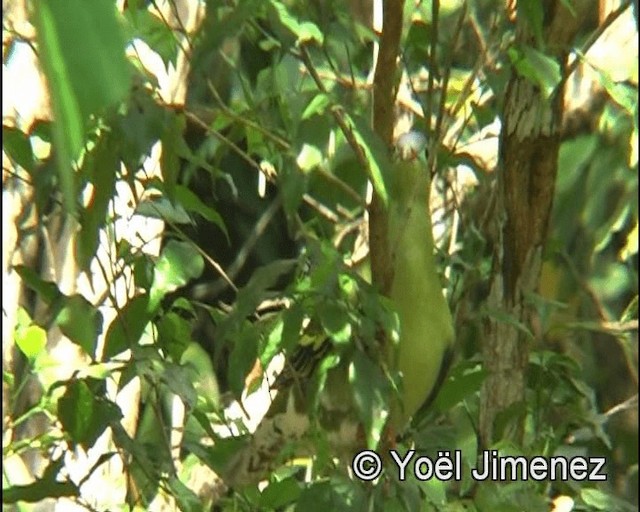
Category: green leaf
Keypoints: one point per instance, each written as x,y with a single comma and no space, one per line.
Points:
321,378
292,325
316,106
262,279
600,500
128,326
99,75
122,440
46,290
464,381
155,32
335,321
42,129
540,69
510,497
501,316
81,322
84,411
624,94
304,32
140,127
569,4
143,271
279,494
418,41
273,344
173,147
242,358
46,487
186,499
31,341
197,362
309,157
205,423
336,494
293,185
377,156
174,334
162,208
371,395
103,162
16,144
179,380
178,264
221,454
309,32
150,453
82,54
191,202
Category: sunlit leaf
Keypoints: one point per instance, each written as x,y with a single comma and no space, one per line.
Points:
542,70
316,106
304,32
309,157
335,321
31,341
81,322
84,411
178,264
82,82
376,155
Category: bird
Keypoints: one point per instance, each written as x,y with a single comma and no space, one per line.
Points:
422,350
426,324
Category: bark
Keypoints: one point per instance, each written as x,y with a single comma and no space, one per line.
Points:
384,95
529,145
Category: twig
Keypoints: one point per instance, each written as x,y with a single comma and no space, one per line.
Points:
628,404
444,90
242,255
222,138
321,208
204,254
334,180
433,64
593,38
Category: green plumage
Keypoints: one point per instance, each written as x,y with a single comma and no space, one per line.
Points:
426,327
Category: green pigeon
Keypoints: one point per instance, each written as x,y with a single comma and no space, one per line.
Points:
424,344
426,326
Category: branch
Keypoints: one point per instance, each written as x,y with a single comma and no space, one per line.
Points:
384,95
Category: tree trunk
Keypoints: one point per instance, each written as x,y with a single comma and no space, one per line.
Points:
529,145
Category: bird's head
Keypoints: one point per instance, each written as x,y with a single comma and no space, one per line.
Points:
409,179
410,146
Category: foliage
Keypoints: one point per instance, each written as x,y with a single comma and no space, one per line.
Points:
278,91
